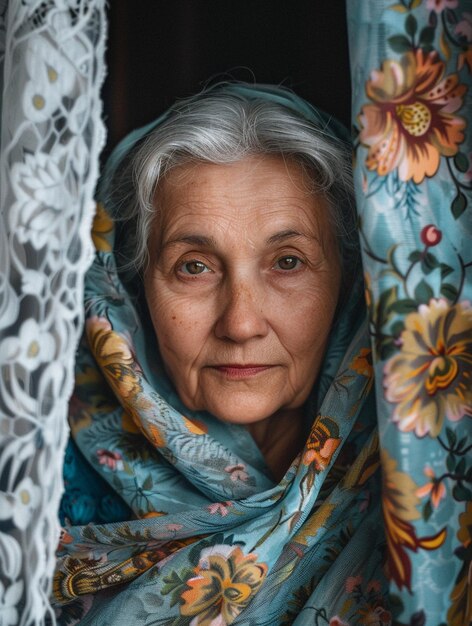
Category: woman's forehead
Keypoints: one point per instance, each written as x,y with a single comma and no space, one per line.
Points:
252,170
265,192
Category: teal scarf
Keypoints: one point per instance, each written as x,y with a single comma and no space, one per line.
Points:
210,538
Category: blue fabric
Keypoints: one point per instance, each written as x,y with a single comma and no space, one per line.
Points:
411,65
213,539
87,497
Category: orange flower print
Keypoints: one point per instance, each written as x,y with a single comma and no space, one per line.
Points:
352,582
322,443
195,426
431,377
224,583
153,433
435,489
411,122
152,514
373,586
399,502
362,363
370,610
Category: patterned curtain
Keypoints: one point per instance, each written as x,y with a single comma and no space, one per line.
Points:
411,64
51,134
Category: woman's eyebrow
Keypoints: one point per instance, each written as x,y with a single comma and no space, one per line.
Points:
288,234
193,240
205,241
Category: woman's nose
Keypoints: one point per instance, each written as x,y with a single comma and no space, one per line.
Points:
243,314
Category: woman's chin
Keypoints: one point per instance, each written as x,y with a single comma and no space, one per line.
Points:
242,408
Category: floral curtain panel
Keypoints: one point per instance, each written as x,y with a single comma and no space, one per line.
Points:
411,64
51,135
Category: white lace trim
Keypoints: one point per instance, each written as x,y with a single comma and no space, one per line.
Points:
51,136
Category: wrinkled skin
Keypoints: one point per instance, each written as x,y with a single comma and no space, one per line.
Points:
242,288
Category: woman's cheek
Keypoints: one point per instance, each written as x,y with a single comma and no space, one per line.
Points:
306,326
180,325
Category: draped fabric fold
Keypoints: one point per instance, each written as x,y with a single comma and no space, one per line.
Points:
411,65
51,134
208,536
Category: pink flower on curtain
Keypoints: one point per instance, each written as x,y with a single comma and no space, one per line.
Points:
438,6
412,121
435,489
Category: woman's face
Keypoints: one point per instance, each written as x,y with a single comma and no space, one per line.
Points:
242,286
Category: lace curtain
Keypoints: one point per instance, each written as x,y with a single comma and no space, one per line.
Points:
52,56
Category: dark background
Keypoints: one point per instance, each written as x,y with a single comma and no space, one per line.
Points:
161,50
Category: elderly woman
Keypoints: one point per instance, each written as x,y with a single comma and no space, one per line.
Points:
223,389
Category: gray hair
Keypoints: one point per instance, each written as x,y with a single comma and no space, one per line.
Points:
222,126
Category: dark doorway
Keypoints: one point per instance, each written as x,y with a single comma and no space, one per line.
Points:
161,50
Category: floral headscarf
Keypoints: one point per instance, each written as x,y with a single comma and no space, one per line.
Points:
192,528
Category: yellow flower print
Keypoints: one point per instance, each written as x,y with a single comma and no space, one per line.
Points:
101,229
194,426
225,582
431,377
128,424
399,502
364,466
315,522
411,122
114,356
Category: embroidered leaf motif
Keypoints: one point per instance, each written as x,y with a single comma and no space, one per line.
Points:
427,36
175,584
459,205
399,43
404,306
449,291
461,162
423,292
411,25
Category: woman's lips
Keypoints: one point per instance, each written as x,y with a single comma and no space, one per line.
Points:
237,371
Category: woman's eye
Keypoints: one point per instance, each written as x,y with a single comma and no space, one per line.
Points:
288,263
193,268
